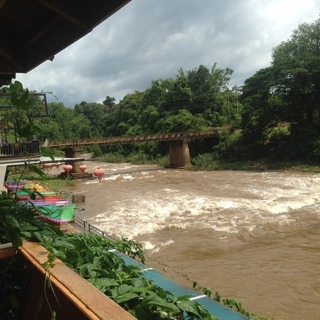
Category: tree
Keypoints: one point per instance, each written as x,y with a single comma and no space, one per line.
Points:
57,126
183,121
178,95
148,119
130,108
18,109
296,65
96,114
288,90
109,102
157,93
162,95
258,115
206,86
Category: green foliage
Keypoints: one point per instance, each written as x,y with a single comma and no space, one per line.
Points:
90,256
18,223
206,85
18,113
236,305
112,157
287,91
205,161
259,113
181,122
109,102
301,143
296,64
163,161
91,119
139,158
57,126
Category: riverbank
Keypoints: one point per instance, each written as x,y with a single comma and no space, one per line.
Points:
207,162
267,165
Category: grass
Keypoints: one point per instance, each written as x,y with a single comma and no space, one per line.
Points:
52,182
259,165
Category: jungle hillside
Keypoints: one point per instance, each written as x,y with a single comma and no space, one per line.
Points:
274,116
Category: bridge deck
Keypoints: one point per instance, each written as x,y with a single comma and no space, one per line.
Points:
172,136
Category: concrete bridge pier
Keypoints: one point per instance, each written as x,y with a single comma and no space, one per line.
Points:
179,154
73,153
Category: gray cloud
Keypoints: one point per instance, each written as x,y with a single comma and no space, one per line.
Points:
150,39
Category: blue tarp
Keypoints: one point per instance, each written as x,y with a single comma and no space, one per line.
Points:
160,280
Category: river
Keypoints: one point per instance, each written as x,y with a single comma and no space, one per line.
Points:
251,236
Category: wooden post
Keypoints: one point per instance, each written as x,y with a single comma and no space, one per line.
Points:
7,250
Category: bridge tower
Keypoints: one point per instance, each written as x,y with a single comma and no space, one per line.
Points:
179,154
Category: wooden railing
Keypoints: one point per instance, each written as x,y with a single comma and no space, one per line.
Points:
20,149
64,292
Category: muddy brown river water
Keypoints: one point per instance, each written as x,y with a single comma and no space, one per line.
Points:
252,236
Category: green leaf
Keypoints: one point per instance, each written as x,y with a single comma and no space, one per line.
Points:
23,102
28,227
13,236
189,306
142,313
103,284
6,202
124,288
12,221
14,98
5,210
126,297
16,87
159,302
72,255
26,131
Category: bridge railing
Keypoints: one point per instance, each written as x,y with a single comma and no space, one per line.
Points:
172,136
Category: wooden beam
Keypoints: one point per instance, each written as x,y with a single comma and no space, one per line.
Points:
9,54
41,31
34,31
64,10
2,2
10,58
64,33
102,10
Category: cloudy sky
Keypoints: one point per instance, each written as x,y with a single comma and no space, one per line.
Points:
151,39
